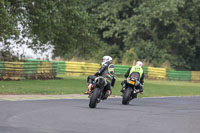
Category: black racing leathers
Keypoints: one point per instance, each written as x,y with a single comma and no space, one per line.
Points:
103,71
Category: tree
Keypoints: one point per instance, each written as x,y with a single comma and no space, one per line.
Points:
156,31
159,30
8,23
65,25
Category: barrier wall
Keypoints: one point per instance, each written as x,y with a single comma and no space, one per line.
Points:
179,75
1,68
156,73
12,70
61,67
195,75
35,69
27,70
121,70
81,68
162,73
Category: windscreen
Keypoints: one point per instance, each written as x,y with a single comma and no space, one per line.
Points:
135,75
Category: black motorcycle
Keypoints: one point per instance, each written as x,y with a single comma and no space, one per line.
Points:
98,92
130,92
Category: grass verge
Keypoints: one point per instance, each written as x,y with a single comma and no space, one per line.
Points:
77,85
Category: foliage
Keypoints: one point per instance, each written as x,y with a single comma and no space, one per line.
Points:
158,31
130,57
7,22
6,55
63,24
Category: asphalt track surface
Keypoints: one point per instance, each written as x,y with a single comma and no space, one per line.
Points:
144,115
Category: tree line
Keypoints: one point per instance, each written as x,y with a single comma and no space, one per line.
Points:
158,32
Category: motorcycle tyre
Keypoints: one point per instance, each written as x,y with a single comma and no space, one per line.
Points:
126,96
94,97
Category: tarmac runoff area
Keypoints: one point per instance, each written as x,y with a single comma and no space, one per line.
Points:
71,114
68,96
45,97
40,97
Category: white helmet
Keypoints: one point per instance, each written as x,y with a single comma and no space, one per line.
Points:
106,59
139,63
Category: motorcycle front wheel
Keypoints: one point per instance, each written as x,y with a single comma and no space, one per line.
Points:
126,96
94,98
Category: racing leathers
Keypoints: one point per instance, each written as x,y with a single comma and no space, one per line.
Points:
106,71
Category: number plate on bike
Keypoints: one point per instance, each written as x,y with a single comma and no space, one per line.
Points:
131,82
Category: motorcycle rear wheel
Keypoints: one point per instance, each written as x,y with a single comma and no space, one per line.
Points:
126,96
94,98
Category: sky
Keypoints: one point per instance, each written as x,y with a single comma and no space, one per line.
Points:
23,49
28,52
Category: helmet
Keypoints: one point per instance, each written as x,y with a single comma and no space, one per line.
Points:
139,63
106,59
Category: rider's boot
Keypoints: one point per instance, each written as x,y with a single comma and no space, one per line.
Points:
141,90
89,89
108,93
123,88
141,87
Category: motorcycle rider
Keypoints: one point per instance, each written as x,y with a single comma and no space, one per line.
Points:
107,71
139,69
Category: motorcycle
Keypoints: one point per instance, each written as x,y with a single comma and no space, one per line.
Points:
98,92
130,92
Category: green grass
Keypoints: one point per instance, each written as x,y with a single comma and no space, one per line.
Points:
171,88
77,85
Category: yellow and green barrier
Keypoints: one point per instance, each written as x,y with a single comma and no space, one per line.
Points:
1,68
162,73
195,75
36,69
156,73
12,70
121,69
61,67
27,70
81,68
179,75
